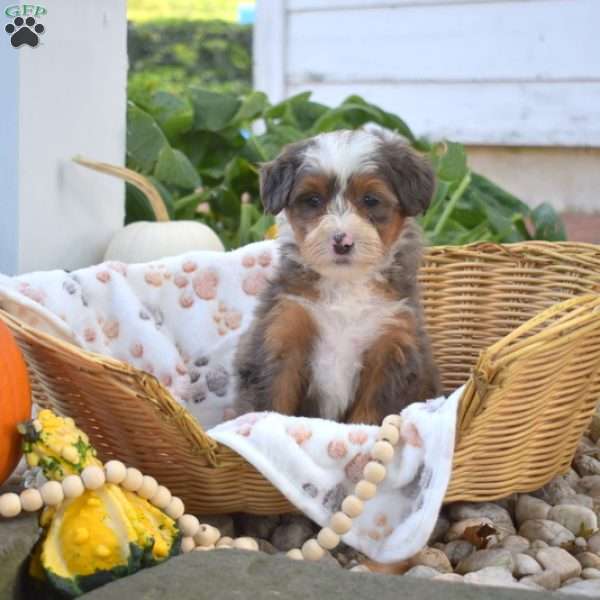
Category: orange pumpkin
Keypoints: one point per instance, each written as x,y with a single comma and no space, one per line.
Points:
15,401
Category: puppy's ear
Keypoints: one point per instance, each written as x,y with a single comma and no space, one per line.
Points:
410,175
277,178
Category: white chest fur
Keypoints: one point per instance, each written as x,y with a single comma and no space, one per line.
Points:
349,318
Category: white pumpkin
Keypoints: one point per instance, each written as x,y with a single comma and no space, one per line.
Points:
145,241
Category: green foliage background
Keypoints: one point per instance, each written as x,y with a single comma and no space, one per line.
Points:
197,129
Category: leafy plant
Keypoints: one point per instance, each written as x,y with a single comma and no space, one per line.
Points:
202,150
171,55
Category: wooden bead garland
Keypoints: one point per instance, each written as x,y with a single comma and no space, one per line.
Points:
374,472
204,537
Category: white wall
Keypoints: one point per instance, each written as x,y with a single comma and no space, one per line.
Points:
508,72
70,99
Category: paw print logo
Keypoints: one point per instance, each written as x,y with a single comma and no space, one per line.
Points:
24,31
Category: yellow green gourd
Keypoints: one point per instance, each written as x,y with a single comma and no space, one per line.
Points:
103,534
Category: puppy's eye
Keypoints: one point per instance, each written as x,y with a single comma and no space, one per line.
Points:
313,201
370,201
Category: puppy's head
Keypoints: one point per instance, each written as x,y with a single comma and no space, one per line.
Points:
346,196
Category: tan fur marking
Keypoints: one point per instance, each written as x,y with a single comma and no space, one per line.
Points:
289,337
360,186
399,336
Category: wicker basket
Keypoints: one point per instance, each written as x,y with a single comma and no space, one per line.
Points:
519,323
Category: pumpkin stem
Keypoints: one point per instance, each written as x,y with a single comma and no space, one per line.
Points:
139,181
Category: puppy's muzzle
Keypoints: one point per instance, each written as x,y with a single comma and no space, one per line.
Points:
342,243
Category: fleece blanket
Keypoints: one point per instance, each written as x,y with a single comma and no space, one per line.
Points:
180,319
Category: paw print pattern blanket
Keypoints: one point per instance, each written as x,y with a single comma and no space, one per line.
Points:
180,319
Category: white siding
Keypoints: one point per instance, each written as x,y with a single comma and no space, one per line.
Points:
513,72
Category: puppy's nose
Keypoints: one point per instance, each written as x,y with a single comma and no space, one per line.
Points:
342,243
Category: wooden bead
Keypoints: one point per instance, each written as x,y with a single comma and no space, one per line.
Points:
189,525
245,543
115,471
10,505
187,544
175,508
72,486
390,433
311,550
207,535
382,451
295,554
352,506
149,487
93,477
374,472
162,497
395,420
52,493
133,480
340,523
225,541
31,500
365,490
328,538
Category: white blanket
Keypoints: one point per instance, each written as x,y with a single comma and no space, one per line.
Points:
180,319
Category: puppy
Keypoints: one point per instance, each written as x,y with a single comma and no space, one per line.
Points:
339,333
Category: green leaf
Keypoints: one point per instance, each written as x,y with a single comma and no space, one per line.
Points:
145,139
547,224
212,111
173,167
450,161
253,106
174,114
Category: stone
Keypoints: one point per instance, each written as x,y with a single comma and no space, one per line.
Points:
589,587
17,537
486,558
593,543
499,516
422,572
224,523
515,543
550,532
589,560
529,507
572,478
251,575
581,544
434,558
266,546
456,530
555,492
572,580
559,560
590,573
293,533
526,565
573,517
449,577
439,531
549,580
458,550
581,500
257,526
491,576
588,483
586,465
